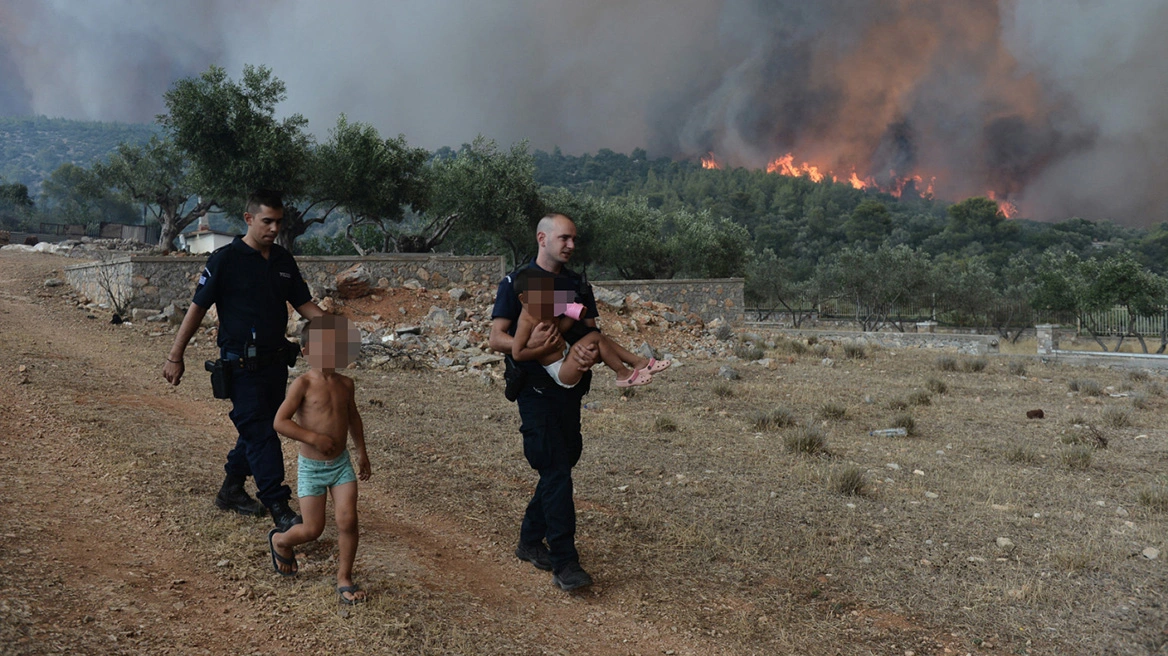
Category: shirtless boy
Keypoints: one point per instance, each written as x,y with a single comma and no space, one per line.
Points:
325,411
537,294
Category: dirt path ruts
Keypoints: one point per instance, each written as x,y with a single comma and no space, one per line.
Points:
100,550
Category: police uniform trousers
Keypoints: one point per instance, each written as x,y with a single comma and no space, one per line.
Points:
255,397
552,444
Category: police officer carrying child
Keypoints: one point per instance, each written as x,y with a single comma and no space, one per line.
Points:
550,414
250,281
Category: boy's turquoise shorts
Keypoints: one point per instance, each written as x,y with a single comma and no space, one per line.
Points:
315,477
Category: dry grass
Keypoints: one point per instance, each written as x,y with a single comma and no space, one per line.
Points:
906,421
807,439
937,386
831,412
920,398
947,363
854,350
1116,417
848,481
722,390
1078,457
1016,368
974,365
665,425
1155,497
763,420
1022,455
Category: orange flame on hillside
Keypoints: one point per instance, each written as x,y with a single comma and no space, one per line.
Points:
1008,209
709,162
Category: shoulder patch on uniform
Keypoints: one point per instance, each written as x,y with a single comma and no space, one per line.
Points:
285,274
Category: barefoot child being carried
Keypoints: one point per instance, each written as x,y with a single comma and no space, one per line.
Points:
537,293
325,411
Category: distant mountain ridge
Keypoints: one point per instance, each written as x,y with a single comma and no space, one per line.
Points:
32,147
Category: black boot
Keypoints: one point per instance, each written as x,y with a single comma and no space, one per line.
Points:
283,516
233,497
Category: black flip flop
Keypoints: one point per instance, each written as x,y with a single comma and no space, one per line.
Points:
277,559
351,589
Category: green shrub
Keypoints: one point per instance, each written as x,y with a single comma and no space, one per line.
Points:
790,346
898,404
937,386
723,390
1017,368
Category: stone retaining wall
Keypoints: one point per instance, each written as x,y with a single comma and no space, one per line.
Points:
715,298
967,344
153,282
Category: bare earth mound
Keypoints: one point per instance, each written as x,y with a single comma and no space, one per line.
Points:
707,530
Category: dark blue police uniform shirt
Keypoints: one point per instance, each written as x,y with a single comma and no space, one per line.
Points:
250,293
507,305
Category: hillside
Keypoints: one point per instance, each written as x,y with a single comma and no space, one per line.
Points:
32,147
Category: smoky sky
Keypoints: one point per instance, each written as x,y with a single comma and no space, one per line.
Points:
1058,105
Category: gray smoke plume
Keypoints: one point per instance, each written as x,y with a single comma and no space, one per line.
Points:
1057,105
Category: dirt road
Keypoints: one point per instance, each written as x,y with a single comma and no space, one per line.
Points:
110,543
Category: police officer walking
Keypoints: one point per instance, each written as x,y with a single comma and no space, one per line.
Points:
550,414
250,281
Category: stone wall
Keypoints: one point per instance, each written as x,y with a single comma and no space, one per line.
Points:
106,282
967,344
153,282
715,298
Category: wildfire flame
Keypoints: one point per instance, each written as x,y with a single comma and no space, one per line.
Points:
709,162
1008,209
895,187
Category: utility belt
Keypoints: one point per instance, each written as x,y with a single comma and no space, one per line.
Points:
252,359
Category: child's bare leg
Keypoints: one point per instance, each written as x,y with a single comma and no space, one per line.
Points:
626,356
610,353
312,510
345,506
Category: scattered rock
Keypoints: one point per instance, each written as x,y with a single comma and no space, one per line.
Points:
1005,544
646,350
354,282
893,466
439,317
609,297
931,495
458,293
1035,414
408,330
412,283
827,362
487,359
54,282
728,373
1151,553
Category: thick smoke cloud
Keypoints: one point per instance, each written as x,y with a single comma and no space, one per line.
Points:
1059,106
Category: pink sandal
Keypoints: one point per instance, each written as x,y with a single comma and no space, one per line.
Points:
656,366
638,377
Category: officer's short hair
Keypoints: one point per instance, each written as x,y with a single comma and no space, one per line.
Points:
265,197
529,278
